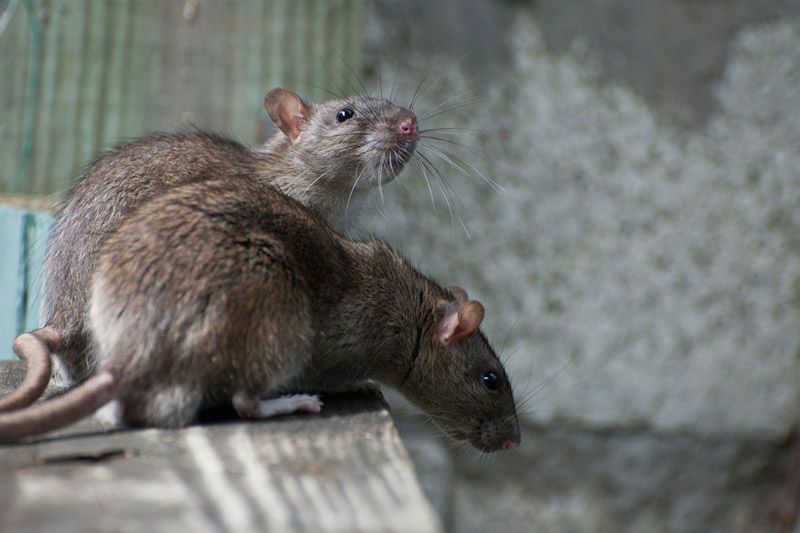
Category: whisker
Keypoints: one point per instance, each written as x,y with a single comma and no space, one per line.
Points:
354,73
444,181
329,73
370,30
446,107
466,147
450,159
419,86
550,379
443,74
418,158
427,134
508,336
441,181
315,181
345,134
380,183
350,196
392,93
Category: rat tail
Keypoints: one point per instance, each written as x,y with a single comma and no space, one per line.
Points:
61,411
35,348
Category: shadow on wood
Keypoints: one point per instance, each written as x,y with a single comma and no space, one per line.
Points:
344,469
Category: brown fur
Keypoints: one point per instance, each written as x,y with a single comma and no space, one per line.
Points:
225,286
324,164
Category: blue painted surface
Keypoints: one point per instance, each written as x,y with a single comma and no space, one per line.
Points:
23,235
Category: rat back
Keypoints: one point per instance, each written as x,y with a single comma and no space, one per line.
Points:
111,189
199,296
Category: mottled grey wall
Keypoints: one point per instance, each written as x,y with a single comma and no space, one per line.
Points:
644,251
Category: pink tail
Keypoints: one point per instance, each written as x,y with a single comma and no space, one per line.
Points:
35,348
70,407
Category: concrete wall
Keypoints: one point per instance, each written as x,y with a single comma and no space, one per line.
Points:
640,266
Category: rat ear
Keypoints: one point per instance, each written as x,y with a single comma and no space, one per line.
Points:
459,323
287,111
458,293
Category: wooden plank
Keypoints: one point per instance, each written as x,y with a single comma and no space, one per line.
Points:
342,470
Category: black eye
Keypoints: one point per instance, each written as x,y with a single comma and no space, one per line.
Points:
490,381
344,114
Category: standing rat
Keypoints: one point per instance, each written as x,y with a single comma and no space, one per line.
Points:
226,291
327,156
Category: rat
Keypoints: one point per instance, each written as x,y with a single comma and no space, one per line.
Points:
226,291
327,156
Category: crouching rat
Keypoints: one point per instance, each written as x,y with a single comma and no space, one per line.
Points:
227,291
326,156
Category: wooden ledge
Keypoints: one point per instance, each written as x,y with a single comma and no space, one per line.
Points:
344,469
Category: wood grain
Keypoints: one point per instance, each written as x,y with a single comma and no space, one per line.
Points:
342,470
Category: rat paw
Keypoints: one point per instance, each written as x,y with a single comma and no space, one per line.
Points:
110,415
251,407
285,405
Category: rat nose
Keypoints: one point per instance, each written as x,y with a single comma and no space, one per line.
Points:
509,445
408,126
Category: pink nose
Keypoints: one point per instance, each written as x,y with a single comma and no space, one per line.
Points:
408,127
509,445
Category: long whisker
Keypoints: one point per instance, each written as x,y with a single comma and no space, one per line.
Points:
446,107
466,147
418,158
380,182
329,73
453,131
508,336
443,74
432,168
325,89
370,30
350,196
315,181
550,379
354,73
452,160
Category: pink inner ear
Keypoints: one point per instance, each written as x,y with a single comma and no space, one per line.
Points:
461,323
446,327
470,316
287,111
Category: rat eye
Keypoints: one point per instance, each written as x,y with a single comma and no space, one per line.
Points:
344,114
490,381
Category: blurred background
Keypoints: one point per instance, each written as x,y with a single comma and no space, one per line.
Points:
620,188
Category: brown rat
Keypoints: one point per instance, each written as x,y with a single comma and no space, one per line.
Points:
227,291
326,156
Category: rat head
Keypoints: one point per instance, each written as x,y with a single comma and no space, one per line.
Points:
459,380
355,143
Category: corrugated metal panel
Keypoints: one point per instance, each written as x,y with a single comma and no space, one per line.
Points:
77,77
23,234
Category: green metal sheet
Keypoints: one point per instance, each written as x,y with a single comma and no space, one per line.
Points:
23,235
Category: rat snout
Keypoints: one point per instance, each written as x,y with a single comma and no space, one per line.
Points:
498,434
406,123
514,436
408,126
513,439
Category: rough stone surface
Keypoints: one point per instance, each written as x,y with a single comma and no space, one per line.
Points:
625,481
640,266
